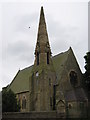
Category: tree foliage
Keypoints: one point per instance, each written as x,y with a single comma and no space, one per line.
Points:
9,101
87,72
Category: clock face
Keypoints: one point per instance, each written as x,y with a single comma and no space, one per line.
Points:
37,74
73,78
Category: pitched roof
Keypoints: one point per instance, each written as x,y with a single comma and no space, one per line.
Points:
59,62
20,82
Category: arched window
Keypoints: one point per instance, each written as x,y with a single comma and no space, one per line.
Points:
73,78
47,57
37,58
24,102
49,82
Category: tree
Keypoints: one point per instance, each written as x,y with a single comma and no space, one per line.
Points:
9,102
87,72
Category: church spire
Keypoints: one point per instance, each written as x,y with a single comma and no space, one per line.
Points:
42,24
42,18
42,45
43,73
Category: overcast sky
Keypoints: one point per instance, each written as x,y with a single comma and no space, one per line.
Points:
67,25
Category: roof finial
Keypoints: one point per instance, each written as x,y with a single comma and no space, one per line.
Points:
42,8
70,47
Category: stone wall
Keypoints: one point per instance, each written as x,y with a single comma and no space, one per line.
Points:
31,115
38,116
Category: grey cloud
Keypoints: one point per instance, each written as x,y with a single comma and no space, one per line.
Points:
20,50
57,29
24,22
61,36
28,58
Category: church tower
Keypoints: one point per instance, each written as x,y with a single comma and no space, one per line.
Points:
42,94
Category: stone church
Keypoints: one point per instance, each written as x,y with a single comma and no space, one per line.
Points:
53,83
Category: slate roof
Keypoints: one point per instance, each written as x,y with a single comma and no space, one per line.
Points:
59,62
21,81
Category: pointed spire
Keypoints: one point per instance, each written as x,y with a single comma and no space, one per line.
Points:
42,37
42,24
42,18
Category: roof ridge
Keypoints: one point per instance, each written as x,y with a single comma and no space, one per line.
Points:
27,68
68,51
60,53
13,79
72,52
